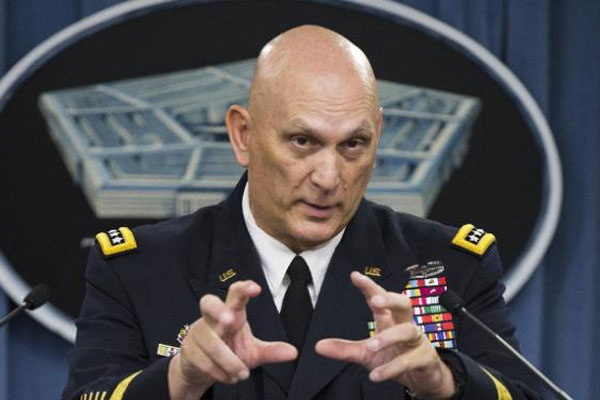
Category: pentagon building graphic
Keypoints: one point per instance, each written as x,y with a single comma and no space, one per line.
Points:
157,147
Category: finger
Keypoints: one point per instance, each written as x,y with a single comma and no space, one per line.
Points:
365,285
215,313
220,353
406,334
398,304
370,289
195,363
343,350
273,352
421,358
240,293
373,294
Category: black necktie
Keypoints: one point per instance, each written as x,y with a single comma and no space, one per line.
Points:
297,307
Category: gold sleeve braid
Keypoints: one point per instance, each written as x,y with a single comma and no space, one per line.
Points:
93,396
122,386
503,393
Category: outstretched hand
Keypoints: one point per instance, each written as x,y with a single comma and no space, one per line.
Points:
220,346
398,350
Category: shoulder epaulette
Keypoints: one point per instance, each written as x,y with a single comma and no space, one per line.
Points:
474,240
116,241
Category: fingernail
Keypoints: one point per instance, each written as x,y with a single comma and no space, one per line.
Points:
378,300
244,375
374,376
233,381
226,317
373,345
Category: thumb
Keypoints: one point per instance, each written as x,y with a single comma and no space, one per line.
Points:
273,352
343,350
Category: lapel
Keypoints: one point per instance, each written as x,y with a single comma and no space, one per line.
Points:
341,310
232,250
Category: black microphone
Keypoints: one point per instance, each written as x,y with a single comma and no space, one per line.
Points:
453,303
37,297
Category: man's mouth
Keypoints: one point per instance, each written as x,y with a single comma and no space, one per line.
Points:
320,211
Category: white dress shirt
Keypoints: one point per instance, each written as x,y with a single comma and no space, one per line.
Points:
275,257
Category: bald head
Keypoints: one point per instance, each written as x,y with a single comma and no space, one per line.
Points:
307,57
309,135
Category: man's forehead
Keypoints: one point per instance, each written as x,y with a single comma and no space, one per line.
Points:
332,93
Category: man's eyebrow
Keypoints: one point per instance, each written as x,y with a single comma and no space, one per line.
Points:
364,129
299,124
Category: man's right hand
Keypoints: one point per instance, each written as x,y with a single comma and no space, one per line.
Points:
220,346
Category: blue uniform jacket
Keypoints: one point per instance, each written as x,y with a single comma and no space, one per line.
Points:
136,301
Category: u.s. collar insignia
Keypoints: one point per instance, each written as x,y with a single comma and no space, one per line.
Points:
373,271
473,240
116,241
227,275
432,268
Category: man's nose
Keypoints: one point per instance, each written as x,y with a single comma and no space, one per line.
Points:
326,172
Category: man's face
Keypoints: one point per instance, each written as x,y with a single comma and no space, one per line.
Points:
311,153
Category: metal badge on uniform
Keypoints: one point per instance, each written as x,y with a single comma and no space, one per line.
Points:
373,271
431,268
182,333
424,288
372,328
227,275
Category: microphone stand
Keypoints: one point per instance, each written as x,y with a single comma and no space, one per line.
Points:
13,314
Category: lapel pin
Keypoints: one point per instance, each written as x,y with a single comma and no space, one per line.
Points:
227,275
182,333
373,271
371,327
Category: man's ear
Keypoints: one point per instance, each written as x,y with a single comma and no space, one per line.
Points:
239,126
379,122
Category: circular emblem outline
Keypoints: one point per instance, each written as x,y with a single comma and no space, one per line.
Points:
545,226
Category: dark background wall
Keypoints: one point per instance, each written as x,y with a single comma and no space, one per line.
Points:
553,48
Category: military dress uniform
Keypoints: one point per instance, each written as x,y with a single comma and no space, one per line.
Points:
143,288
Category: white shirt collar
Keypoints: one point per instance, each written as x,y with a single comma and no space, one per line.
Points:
275,256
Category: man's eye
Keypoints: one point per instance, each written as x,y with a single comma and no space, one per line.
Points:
301,141
354,143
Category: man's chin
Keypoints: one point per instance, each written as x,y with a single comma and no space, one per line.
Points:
309,238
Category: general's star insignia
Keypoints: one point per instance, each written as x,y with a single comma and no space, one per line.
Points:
116,241
474,240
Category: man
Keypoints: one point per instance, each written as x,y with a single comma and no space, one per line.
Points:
308,141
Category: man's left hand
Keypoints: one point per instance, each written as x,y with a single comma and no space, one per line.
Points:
398,350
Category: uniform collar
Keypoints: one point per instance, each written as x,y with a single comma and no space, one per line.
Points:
276,256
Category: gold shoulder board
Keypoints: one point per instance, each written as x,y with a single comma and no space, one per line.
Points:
473,240
116,241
